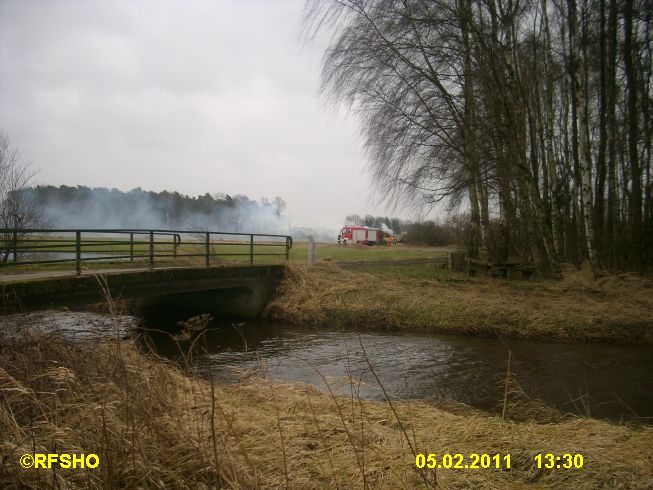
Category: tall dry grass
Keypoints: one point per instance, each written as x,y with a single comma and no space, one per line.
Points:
610,308
155,425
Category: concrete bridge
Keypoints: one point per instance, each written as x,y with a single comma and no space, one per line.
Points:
158,276
237,290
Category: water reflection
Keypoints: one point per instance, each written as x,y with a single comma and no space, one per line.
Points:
607,380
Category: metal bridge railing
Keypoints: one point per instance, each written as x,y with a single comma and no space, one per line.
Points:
52,246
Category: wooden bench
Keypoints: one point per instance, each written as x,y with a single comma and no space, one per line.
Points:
506,270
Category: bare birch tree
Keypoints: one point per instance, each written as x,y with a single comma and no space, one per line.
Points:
17,211
534,115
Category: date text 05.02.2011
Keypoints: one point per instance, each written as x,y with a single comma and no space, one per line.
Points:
460,461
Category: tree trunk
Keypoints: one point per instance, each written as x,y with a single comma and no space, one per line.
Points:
612,213
469,134
635,208
601,157
584,159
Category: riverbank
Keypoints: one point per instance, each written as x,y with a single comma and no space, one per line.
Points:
154,426
419,297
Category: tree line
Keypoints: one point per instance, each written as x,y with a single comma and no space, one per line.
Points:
99,207
533,116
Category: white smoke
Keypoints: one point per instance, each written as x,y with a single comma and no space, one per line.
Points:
386,229
75,208
103,208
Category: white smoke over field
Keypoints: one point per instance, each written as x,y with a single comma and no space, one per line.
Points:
82,207
321,235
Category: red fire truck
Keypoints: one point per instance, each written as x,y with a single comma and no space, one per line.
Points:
360,234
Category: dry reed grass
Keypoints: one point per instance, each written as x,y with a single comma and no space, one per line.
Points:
155,426
611,308
624,284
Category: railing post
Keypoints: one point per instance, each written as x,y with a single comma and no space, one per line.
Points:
131,247
14,239
175,244
287,249
78,252
251,250
208,241
151,250
312,251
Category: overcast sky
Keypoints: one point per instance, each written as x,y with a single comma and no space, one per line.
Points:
189,96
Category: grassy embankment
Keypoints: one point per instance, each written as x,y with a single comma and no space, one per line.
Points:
427,297
153,426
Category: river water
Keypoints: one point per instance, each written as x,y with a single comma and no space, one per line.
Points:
601,380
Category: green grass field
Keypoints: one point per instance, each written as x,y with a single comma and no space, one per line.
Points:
362,253
116,253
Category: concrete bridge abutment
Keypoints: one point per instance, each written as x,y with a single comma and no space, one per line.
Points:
241,291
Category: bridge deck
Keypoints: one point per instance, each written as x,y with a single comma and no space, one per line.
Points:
63,288
33,275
